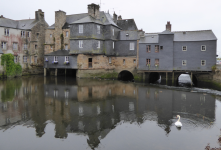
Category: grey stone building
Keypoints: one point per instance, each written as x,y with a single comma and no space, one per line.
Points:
25,40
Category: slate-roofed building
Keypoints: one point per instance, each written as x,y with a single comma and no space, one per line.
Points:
101,43
25,40
177,50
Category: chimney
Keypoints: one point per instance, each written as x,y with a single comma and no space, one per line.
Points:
168,26
1,16
60,19
115,17
93,10
119,17
39,15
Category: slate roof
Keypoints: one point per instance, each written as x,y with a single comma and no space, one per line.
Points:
59,53
127,24
166,32
18,24
202,35
149,38
87,19
128,35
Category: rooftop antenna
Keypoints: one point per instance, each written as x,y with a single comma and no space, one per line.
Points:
101,4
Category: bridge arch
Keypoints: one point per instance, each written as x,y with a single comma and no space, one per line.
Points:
188,83
125,75
154,77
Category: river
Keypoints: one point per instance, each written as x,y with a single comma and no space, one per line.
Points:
67,113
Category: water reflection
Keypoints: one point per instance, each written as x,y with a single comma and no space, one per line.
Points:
94,108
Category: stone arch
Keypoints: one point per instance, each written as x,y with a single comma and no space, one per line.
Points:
194,79
153,77
125,75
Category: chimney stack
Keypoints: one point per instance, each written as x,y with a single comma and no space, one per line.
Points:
168,26
93,10
39,15
115,18
119,17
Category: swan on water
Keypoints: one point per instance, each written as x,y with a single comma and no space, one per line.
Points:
178,123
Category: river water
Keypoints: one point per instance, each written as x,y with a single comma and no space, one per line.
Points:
65,113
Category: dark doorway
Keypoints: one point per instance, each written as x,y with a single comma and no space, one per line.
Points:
125,76
154,77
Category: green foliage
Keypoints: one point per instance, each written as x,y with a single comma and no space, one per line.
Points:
213,68
11,87
12,69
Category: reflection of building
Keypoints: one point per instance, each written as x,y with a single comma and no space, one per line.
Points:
95,108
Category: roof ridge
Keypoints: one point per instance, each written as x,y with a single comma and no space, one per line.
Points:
76,14
24,19
193,31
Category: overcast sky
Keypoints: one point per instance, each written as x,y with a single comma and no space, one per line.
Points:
149,15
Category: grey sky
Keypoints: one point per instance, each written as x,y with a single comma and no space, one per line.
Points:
150,15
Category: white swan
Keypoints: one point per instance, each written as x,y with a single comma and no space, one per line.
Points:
178,123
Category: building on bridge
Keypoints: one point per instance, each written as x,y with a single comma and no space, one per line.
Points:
177,52
98,44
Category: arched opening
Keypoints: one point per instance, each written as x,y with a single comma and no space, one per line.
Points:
67,72
184,80
125,76
154,77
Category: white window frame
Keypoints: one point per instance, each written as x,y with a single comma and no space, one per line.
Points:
80,43
66,46
202,47
132,46
4,45
6,32
66,33
66,59
109,60
25,46
55,58
22,33
202,62
16,58
113,31
28,34
98,29
15,46
81,28
183,47
25,59
184,63
36,59
98,44
113,45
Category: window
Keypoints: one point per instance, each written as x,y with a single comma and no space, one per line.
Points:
80,44
89,62
6,32
66,47
36,59
22,33
113,31
131,46
123,61
81,29
161,47
36,46
113,45
55,58
51,47
203,62
3,45
156,62
109,60
15,46
50,35
66,58
148,62
148,48
25,46
66,33
156,48
28,34
134,61
98,44
184,48
203,48
183,62
37,35
25,59
15,59
98,29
